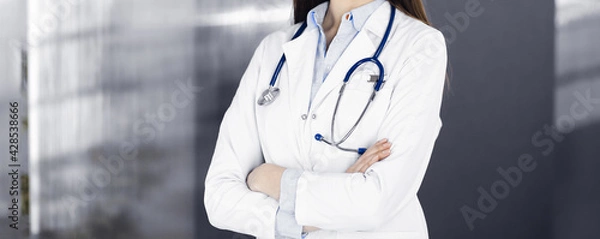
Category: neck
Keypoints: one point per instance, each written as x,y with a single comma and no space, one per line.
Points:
336,10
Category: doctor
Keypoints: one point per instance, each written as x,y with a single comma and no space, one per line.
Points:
332,127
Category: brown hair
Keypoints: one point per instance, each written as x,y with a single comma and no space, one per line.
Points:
413,8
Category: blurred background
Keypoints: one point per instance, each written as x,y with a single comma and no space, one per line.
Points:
120,103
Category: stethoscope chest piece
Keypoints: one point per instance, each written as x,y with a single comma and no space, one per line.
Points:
268,96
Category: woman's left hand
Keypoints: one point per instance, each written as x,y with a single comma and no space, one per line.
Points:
377,152
266,179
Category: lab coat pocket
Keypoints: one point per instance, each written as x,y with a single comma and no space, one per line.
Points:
364,78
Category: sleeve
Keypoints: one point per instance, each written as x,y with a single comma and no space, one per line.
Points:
286,225
229,204
362,202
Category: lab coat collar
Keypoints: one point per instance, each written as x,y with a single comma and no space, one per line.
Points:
300,56
378,21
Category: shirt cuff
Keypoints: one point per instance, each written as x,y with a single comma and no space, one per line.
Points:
286,225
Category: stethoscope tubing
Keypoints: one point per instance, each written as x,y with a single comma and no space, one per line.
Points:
375,60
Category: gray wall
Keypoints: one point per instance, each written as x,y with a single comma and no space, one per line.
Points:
501,94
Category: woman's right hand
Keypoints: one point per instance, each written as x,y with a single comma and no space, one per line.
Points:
379,151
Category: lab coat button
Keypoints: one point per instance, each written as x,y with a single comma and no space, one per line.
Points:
304,116
314,116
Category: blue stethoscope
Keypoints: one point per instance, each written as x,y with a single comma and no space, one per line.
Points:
270,94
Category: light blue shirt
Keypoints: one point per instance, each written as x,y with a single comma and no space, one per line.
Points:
352,22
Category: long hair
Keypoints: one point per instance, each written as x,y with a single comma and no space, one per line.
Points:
413,8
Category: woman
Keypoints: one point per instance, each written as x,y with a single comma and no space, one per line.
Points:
270,178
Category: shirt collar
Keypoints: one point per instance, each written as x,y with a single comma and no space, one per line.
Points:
360,15
357,16
315,16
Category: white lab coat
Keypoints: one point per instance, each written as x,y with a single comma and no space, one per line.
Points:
382,203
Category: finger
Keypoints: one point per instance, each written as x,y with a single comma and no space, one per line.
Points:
374,159
374,147
384,146
367,159
383,154
381,146
378,149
